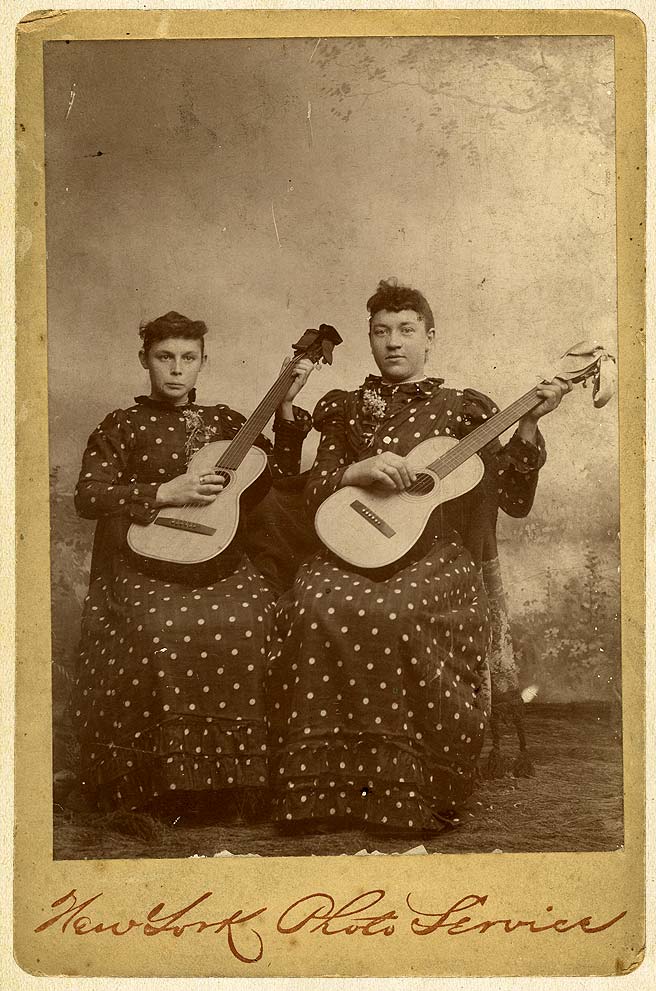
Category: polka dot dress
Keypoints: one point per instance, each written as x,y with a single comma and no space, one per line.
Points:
378,685
169,690
169,694
375,691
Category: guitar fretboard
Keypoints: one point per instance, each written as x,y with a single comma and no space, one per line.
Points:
236,451
483,434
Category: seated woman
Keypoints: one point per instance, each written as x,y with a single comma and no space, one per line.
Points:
168,699
378,685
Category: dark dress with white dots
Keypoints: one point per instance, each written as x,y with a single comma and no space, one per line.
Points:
169,690
378,684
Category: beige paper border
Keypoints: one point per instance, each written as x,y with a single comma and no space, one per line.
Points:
600,885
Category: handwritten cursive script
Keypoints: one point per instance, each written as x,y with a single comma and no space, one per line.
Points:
320,908
154,923
317,913
452,921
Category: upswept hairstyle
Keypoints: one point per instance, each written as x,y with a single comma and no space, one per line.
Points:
172,324
392,297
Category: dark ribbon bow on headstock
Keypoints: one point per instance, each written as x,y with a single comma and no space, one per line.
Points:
318,345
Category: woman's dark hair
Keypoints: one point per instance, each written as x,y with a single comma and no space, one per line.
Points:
172,324
392,297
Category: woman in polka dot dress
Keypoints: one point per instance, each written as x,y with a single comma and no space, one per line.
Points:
169,694
378,685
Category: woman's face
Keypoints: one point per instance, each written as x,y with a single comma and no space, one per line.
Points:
400,344
173,365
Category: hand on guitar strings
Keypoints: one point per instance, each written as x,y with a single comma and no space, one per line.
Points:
189,489
551,394
301,374
389,470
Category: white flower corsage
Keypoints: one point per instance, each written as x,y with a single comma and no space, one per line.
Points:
198,433
373,404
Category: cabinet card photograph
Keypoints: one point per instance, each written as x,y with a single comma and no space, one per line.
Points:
328,339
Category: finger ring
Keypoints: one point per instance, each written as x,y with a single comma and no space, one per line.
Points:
202,479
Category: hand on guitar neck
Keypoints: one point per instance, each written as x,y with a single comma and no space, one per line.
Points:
195,489
374,522
391,471
301,374
551,394
199,512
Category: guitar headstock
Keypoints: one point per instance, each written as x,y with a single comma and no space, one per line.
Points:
318,345
590,360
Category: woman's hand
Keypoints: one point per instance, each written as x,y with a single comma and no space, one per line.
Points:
388,470
301,374
189,489
551,394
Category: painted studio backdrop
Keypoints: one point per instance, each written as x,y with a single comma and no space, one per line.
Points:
266,186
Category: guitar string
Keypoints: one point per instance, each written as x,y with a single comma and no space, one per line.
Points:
242,442
443,466
487,431
473,442
477,439
530,398
237,449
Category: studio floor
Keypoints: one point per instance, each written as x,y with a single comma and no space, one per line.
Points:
572,803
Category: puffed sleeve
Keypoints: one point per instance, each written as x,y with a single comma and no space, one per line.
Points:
332,457
513,468
105,487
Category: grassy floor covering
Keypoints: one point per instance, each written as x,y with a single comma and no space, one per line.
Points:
574,802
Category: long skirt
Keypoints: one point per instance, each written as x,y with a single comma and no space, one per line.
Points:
378,691
169,693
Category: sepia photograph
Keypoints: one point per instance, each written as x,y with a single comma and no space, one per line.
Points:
333,438
330,493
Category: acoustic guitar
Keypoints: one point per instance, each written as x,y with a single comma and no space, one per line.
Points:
373,527
194,534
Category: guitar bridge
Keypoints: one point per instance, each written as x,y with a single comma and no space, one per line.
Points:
188,525
371,517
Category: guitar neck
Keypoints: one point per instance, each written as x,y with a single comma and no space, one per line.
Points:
486,432
242,442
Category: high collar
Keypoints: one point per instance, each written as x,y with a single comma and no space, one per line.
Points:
424,387
162,404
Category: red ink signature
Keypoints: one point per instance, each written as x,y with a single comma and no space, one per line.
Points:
320,908
453,926
154,924
317,913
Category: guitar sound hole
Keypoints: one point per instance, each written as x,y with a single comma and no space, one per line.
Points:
224,476
424,484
